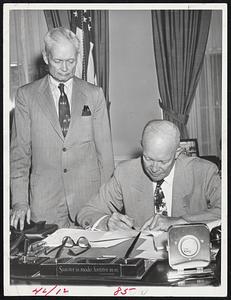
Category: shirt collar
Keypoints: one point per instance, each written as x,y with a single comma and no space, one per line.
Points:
169,179
54,83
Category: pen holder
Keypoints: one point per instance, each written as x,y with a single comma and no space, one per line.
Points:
131,266
50,266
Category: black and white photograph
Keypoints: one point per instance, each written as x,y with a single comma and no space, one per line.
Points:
115,149
190,147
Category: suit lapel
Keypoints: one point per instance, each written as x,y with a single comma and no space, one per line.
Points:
178,191
78,100
45,100
142,194
148,195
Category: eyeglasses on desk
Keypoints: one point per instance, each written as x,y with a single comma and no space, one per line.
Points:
68,242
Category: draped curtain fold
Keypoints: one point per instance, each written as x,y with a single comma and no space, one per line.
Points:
205,117
100,28
57,18
101,33
180,39
27,29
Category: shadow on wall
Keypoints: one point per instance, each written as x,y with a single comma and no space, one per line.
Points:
11,119
136,153
41,67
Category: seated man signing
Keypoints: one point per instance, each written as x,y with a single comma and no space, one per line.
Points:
161,188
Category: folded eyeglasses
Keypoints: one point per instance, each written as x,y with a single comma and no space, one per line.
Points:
68,242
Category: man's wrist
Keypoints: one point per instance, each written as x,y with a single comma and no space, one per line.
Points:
103,224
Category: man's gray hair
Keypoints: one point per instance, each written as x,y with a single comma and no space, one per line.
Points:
163,127
59,34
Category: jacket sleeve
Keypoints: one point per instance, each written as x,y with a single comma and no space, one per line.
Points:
20,151
102,137
100,206
212,194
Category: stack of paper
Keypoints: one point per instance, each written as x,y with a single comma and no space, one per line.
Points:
101,239
151,248
213,224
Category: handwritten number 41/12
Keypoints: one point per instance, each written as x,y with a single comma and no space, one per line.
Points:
122,292
45,292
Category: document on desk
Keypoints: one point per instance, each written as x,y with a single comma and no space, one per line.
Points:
99,239
152,248
213,224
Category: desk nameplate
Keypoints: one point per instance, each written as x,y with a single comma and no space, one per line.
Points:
117,267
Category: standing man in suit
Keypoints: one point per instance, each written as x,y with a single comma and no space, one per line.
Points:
162,188
61,148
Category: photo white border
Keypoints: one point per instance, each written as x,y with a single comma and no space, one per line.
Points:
26,290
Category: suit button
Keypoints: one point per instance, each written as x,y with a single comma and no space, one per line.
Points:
64,149
65,170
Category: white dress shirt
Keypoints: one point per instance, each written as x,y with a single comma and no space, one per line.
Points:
56,92
167,190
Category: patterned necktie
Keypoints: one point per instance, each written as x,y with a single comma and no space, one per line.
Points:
159,200
64,110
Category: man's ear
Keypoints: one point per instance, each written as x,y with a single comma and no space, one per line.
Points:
178,151
45,58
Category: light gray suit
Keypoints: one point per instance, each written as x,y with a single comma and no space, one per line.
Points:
65,172
196,193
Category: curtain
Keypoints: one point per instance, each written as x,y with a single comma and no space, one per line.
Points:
101,33
27,28
180,39
205,117
26,31
57,18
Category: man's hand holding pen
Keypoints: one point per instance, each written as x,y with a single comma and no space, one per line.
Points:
117,221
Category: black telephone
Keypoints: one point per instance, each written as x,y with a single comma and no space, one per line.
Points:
16,241
33,231
215,236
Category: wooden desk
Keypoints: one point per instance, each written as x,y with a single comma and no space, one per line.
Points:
157,275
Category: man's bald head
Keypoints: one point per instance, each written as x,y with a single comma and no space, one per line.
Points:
161,129
160,142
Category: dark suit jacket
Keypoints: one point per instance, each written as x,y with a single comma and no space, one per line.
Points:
196,194
60,173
